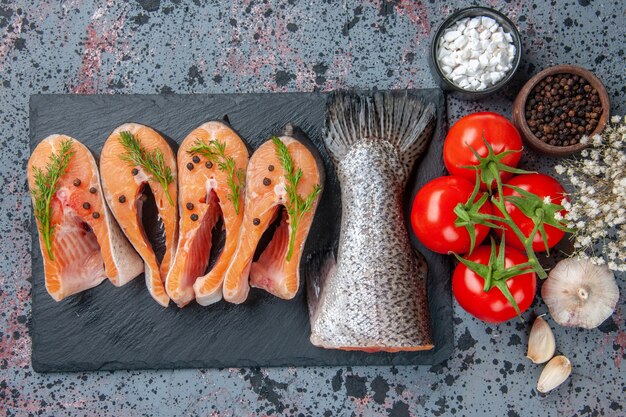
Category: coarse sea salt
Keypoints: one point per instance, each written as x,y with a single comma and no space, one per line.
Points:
476,53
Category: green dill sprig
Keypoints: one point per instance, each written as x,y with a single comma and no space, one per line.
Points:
46,184
215,152
297,206
153,162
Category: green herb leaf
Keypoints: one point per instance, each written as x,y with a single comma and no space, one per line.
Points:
296,205
46,185
215,152
152,162
491,165
496,273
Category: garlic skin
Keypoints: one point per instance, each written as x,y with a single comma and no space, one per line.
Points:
554,373
580,294
541,343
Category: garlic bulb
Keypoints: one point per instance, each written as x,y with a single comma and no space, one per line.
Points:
541,343
580,294
554,373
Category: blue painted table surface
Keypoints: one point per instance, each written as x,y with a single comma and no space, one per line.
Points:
178,46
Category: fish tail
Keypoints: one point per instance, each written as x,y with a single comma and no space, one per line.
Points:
400,118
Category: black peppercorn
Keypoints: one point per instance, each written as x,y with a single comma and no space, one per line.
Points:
270,168
561,108
134,171
209,164
76,182
195,159
95,215
122,199
93,190
189,166
86,206
194,217
256,221
189,206
266,181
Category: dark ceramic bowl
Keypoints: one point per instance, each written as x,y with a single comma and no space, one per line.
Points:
519,116
503,21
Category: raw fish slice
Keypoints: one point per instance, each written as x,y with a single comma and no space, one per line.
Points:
265,200
203,200
124,184
374,297
87,244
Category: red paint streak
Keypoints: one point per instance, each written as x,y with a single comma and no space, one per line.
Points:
9,37
620,341
416,12
88,78
338,71
272,51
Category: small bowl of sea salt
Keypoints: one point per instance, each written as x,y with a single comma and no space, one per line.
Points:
476,52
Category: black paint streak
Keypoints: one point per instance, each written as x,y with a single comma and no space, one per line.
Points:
320,73
380,387
150,5
514,340
283,78
194,76
337,380
266,388
466,341
399,409
141,19
355,386
608,326
388,7
358,11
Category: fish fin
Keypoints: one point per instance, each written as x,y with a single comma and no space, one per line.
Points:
318,267
402,119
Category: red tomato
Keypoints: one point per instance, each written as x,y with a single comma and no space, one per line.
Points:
492,306
543,186
468,133
432,216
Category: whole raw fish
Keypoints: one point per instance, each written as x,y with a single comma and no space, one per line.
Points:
374,297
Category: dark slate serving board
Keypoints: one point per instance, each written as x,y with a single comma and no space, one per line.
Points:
123,328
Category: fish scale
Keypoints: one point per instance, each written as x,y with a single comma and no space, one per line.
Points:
374,297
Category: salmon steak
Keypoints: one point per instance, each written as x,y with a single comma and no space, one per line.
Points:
373,298
81,244
136,162
283,188
211,166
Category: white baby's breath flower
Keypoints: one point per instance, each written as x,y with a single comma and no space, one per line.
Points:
547,200
558,216
597,140
597,202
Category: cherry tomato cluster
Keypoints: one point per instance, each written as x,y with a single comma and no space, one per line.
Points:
486,193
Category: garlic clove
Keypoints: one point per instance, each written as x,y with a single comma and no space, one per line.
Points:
541,343
580,294
554,373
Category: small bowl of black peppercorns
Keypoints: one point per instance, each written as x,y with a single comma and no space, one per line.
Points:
558,107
